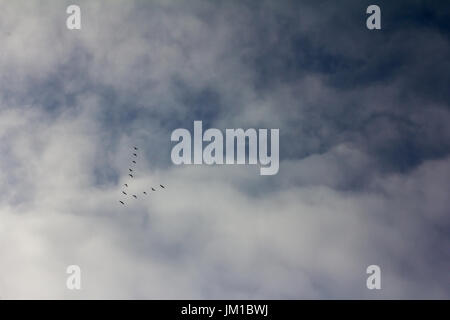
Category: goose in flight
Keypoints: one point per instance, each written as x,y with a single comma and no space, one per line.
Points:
121,202
126,185
145,193
134,162
135,148
134,154
162,186
131,170
124,192
153,189
135,196
131,175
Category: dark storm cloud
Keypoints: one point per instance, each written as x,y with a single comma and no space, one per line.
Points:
386,80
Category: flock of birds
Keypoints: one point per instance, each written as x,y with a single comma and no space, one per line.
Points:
131,173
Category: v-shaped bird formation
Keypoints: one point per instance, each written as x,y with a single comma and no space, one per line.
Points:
132,174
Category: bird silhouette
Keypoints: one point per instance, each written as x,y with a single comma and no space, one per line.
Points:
145,193
153,189
134,162
131,175
131,170
124,192
162,186
134,154
135,148
121,202
126,185
135,196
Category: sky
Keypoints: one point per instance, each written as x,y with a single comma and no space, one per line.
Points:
364,149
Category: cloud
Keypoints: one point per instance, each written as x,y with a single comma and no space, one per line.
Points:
363,143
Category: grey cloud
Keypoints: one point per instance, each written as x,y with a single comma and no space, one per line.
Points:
364,150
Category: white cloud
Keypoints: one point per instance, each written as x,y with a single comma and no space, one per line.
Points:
214,232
